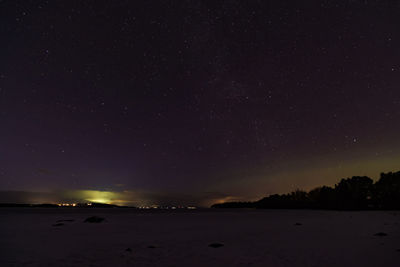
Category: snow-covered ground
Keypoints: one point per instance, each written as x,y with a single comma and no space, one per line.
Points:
250,238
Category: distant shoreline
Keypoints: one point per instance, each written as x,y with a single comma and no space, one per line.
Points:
355,193
94,206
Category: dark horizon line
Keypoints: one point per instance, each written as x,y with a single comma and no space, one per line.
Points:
92,205
355,193
52,205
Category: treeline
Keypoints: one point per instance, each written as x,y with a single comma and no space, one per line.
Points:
356,193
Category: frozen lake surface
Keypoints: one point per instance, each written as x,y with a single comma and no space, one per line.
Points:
182,238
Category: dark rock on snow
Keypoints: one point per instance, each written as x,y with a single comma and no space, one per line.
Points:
380,234
94,219
216,245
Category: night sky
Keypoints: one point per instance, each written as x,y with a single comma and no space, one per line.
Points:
192,102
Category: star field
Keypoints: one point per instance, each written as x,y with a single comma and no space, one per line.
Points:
220,98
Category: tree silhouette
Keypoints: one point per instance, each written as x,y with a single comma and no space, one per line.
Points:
355,193
386,193
323,197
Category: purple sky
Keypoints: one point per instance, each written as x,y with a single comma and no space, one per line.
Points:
189,100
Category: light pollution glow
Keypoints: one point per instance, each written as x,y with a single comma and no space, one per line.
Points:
96,196
248,185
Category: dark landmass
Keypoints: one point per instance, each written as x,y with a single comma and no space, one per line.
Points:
17,205
79,205
356,193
